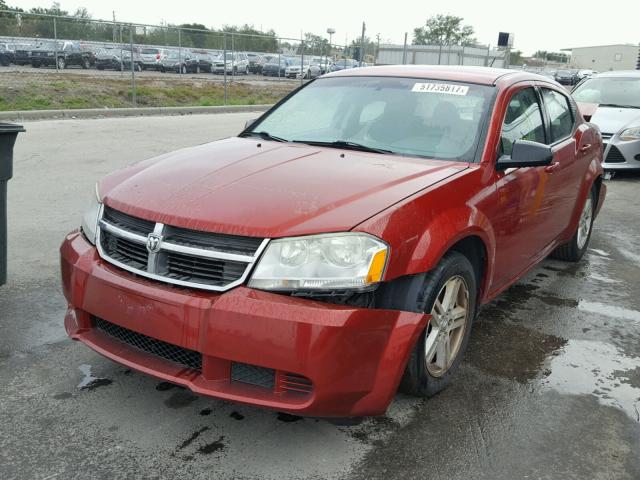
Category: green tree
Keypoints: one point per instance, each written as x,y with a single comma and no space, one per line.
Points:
444,30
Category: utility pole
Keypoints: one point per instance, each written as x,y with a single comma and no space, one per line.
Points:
375,60
114,26
362,44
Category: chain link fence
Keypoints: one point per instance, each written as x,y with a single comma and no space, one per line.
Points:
60,42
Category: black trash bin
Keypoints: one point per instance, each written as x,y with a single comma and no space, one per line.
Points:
8,134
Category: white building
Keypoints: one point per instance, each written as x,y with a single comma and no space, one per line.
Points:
605,57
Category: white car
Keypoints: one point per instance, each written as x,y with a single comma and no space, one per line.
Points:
295,69
236,62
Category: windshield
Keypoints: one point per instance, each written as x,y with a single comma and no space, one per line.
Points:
427,118
609,90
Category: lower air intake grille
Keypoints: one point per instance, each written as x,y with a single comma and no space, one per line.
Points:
168,351
614,156
259,376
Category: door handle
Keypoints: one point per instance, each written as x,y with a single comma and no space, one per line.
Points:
585,148
552,168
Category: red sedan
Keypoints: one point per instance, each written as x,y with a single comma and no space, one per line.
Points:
341,245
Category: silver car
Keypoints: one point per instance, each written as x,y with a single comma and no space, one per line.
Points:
152,58
612,100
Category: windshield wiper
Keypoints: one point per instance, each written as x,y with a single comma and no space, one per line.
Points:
344,144
263,135
617,105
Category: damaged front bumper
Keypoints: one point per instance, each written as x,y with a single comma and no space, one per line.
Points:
290,354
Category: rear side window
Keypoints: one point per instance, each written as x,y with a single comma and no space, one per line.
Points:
523,120
560,114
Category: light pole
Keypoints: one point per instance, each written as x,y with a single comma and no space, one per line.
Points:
330,31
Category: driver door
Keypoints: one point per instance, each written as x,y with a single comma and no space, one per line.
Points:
524,219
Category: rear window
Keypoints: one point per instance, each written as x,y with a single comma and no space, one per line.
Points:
150,51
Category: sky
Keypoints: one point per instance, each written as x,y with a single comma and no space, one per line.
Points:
541,25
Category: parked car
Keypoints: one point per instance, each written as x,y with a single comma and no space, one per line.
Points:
256,61
277,66
295,69
567,77
152,58
180,62
343,64
7,54
22,53
204,62
342,244
65,54
236,62
611,100
117,59
582,74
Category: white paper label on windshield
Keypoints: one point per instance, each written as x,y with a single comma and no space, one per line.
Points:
446,88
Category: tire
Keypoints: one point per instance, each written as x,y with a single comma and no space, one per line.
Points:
62,64
35,65
246,71
197,68
138,67
86,64
100,68
574,249
424,375
183,69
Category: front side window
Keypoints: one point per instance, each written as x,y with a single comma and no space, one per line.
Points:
523,120
404,116
560,114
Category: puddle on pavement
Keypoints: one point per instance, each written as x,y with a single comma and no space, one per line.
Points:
89,382
599,369
508,350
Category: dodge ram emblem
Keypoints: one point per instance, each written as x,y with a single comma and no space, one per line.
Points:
153,242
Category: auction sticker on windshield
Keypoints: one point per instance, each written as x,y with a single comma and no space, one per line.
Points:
440,88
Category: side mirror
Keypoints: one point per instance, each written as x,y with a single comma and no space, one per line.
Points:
526,154
249,122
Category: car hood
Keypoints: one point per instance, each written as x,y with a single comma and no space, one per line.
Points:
611,120
268,189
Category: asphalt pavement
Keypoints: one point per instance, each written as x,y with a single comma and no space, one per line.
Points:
549,389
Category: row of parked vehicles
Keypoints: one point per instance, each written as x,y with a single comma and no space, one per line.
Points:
568,76
65,54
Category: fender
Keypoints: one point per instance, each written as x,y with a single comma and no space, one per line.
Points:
420,232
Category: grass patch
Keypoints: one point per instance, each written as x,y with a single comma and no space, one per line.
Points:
28,91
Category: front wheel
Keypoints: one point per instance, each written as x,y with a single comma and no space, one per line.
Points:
449,294
574,249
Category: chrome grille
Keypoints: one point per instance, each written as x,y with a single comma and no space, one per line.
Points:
185,257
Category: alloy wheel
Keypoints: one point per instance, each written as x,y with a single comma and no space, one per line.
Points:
584,226
446,330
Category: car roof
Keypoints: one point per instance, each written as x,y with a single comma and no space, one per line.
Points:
619,73
479,75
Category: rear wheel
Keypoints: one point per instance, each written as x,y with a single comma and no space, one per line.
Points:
449,294
574,249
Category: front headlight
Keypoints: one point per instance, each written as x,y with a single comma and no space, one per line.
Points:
91,217
632,133
321,262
